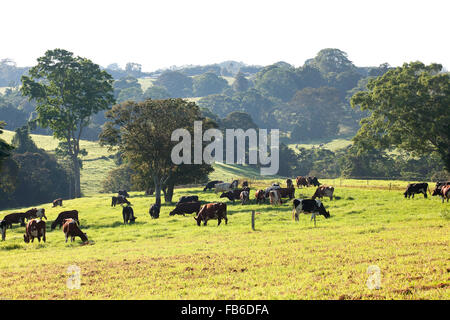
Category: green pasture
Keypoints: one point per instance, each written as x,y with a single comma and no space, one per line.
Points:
173,258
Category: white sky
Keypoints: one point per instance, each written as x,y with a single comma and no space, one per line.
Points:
159,34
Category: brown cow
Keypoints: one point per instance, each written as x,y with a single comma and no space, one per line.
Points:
323,191
445,193
57,202
287,192
212,211
35,229
260,196
71,229
301,181
186,207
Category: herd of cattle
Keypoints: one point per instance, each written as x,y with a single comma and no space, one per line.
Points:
68,220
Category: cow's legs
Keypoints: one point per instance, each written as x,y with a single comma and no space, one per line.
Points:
66,237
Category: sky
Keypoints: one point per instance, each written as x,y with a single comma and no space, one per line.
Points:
159,34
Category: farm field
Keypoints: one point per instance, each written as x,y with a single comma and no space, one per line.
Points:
173,258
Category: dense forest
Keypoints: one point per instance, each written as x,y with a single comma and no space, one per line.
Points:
319,101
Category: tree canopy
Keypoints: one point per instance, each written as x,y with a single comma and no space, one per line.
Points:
409,108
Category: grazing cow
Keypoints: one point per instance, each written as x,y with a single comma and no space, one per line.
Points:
323,191
245,196
212,211
188,199
289,183
301,181
275,197
154,211
17,217
312,181
119,200
57,202
71,229
287,193
260,196
315,207
186,207
439,186
3,227
72,214
128,215
123,193
414,188
211,184
443,191
35,229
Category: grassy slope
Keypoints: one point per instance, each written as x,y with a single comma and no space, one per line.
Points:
172,258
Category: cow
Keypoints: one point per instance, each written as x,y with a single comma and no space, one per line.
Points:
315,207
439,186
3,227
186,207
34,229
443,191
287,192
30,214
188,199
244,184
289,183
71,229
17,217
234,194
275,197
154,211
149,191
212,211
222,187
234,184
57,202
119,200
245,196
312,181
301,181
260,196
128,215
323,191
211,184
72,214
414,188
123,193
274,186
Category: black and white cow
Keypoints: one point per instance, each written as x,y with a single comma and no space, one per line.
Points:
128,215
315,207
414,188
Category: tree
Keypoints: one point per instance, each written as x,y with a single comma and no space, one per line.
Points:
409,108
68,90
155,92
178,84
142,133
241,83
208,83
5,148
331,60
277,81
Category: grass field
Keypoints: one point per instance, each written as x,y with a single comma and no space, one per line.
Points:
173,258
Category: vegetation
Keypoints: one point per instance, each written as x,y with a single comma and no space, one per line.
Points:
74,89
173,258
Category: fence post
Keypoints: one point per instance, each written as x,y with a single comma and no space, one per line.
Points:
253,220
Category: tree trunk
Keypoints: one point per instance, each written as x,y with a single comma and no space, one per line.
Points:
76,178
168,192
157,191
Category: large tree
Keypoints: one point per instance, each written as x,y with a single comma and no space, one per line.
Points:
5,148
68,90
142,133
410,110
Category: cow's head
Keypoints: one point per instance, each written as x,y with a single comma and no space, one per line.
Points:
198,219
228,195
436,192
172,213
26,238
